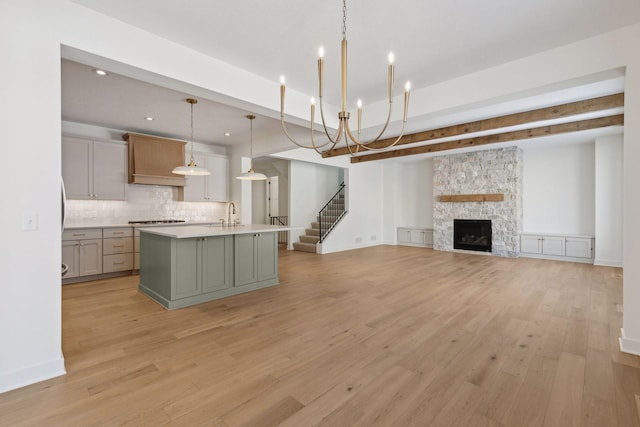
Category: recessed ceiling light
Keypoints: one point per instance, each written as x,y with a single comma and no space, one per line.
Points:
227,134
149,118
100,72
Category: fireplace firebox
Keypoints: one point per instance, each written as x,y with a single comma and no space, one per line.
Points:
472,234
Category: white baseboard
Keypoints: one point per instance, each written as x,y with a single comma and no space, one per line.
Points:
323,249
629,345
31,374
607,262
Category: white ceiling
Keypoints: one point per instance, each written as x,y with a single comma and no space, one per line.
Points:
432,41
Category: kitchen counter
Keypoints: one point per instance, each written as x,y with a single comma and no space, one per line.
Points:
191,231
78,226
186,265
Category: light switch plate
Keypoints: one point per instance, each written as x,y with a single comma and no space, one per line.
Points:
29,222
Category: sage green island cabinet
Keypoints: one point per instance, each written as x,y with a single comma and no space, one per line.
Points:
182,266
256,258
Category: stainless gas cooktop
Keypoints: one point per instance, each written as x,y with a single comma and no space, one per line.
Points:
158,221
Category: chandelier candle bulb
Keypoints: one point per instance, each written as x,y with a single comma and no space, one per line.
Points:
313,111
281,97
359,117
407,87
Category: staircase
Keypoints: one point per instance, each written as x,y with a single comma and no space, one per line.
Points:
308,241
328,217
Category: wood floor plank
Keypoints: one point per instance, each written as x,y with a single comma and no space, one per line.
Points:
385,335
565,404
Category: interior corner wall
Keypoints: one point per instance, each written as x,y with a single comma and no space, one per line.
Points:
558,191
391,207
609,184
364,224
416,194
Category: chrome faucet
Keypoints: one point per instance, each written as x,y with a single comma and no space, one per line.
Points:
231,209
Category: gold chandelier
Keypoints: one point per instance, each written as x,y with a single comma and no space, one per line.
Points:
353,143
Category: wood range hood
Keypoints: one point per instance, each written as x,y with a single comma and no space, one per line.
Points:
152,158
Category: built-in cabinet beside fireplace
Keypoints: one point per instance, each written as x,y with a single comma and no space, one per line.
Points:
415,236
578,248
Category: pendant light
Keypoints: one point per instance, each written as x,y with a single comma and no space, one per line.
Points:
251,174
191,168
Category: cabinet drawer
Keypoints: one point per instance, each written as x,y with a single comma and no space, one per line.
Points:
82,234
117,246
117,262
117,232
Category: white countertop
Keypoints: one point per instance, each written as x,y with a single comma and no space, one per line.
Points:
189,231
103,225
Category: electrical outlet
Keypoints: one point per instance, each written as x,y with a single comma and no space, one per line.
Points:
358,239
29,222
373,237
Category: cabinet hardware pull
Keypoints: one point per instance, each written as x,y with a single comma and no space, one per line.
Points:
78,234
118,246
118,232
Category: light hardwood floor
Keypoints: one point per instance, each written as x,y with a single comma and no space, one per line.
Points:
383,336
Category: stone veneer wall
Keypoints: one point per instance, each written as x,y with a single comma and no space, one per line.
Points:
480,172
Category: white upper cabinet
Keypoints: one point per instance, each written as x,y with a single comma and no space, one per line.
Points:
94,169
208,188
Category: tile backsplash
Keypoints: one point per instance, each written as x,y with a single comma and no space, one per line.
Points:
144,202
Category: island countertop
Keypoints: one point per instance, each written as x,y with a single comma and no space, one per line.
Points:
190,231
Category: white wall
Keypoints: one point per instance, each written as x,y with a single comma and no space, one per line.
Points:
609,182
558,191
258,202
415,192
30,309
31,35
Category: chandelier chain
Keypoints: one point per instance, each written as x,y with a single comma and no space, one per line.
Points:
344,19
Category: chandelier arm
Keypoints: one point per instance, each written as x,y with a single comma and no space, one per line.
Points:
284,129
318,147
357,141
390,145
336,138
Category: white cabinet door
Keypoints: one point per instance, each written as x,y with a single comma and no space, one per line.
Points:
71,257
218,181
90,257
417,237
94,169
77,172
109,171
428,238
553,245
195,189
578,247
404,235
531,244
208,188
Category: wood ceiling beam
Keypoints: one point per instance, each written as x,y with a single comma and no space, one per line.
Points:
547,113
497,138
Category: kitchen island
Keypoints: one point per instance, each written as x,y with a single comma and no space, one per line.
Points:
186,265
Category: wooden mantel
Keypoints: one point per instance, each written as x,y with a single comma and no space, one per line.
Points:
472,198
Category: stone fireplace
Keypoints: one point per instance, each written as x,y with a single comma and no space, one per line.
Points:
496,171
